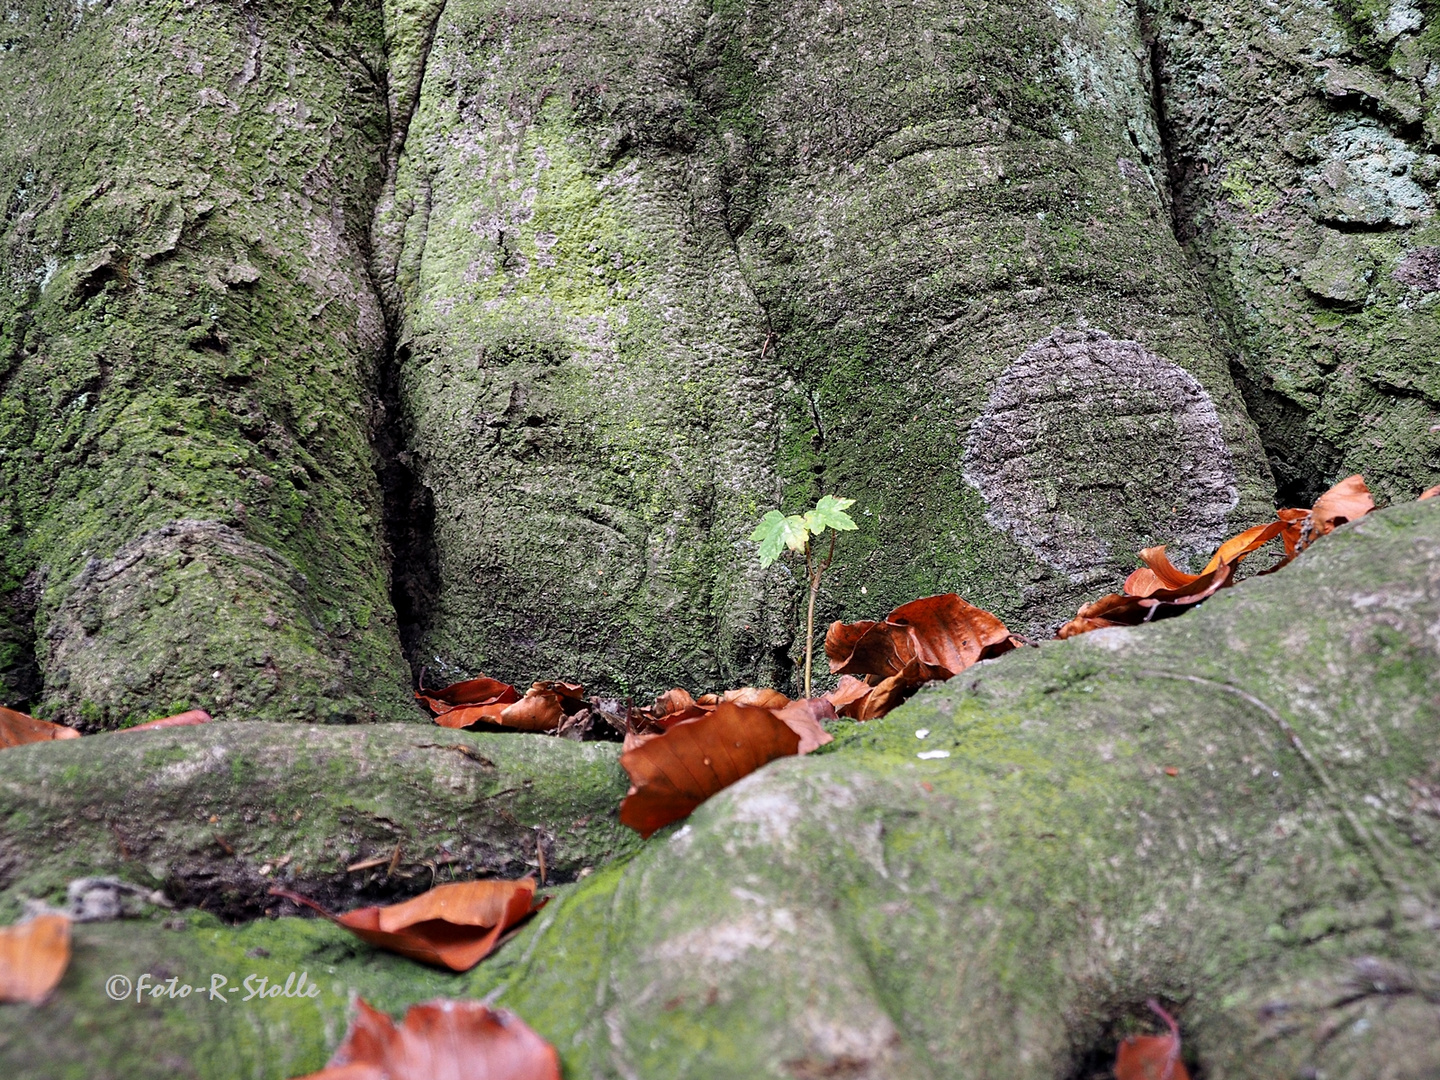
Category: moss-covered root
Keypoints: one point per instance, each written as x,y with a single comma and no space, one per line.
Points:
217,814
188,350
1233,812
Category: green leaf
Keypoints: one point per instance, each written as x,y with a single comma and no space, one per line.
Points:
830,511
797,533
770,535
777,532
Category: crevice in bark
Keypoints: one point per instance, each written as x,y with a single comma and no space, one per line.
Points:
408,505
1299,463
20,678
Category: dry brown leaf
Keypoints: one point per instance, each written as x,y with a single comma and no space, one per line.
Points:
1152,1057
1429,493
33,957
1349,500
184,719
941,632
453,926
762,697
1160,576
441,1040
18,728
672,774
804,718
849,695
481,691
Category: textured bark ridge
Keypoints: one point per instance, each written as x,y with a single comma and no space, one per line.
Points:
666,267
864,913
188,353
1302,141
216,815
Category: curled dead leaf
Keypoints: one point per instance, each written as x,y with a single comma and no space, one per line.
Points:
474,692
440,1040
848,696
1429,493
934,638
17,729
33,957
804,717
453,926
673,773
184,719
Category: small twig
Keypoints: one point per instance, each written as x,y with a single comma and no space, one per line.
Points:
304,901
366,864
1174,1055
540,855
394,861
224,844
460,748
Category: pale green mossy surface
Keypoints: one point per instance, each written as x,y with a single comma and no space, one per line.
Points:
189,509
862,912
216,815
666,269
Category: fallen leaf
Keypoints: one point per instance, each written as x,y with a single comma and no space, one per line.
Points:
1158,575
762,697
440,1040
804,717
849,696
453,926
184,719
33,956
17,729
1346,501
925,640
672,774
1349,500
1152,1057
1429,493
472,692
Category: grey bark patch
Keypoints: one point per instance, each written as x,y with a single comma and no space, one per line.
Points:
1087,442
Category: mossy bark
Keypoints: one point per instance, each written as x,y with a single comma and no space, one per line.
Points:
1234,811
188,350
663,269
1302,143
218,814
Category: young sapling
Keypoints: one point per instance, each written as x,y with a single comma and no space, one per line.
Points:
776,532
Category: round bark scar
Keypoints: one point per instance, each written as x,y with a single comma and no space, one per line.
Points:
1091,448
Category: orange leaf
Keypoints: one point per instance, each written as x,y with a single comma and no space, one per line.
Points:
672,774
671,702
849,695
481,691
441,1040
804,717
33,957
1348,500
1429,493
538,710
1150,1057
1159,575
941,632
463,716
761,697
453,926
17,729
184,719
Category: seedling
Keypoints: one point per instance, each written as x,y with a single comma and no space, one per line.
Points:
776,532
